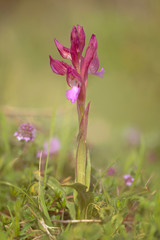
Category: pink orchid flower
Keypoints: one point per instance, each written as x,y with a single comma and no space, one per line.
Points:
77,73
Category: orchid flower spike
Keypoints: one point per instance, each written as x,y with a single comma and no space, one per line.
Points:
77,72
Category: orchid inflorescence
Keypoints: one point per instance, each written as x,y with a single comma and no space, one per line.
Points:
77,74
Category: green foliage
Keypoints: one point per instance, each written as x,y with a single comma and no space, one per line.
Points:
81,158
33,206
83,231
88,171
83,197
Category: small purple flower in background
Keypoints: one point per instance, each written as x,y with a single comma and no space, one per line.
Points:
110,171
54,147
25,132
133,136
128,179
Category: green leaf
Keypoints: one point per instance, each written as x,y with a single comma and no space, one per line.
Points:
83,231
43,205
19,189
72,210
83,197
56,186
81,157
88,171
27,226
80,188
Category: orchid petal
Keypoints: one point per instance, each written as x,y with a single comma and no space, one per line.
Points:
94,65
100,73
73,77
74,47
72,94
77,44
58,67
90,52
81,35
64,52
75,41
74,56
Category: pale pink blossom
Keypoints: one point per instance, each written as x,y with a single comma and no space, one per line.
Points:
128,179
53,147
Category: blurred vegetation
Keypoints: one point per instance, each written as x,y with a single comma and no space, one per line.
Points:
28,210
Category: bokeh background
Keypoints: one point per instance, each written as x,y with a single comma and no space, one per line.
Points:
128,48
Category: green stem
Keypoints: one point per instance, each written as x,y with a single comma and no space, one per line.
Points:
80,110
81,158
81,155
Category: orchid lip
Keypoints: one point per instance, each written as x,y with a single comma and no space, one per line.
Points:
72,94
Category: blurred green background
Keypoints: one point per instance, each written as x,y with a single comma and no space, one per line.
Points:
128,48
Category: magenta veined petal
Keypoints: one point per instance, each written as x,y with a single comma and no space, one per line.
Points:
90,53
74,56
64,52
58,67
77,44
72,94
94,65
75,38
81,35
78,39
74,50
